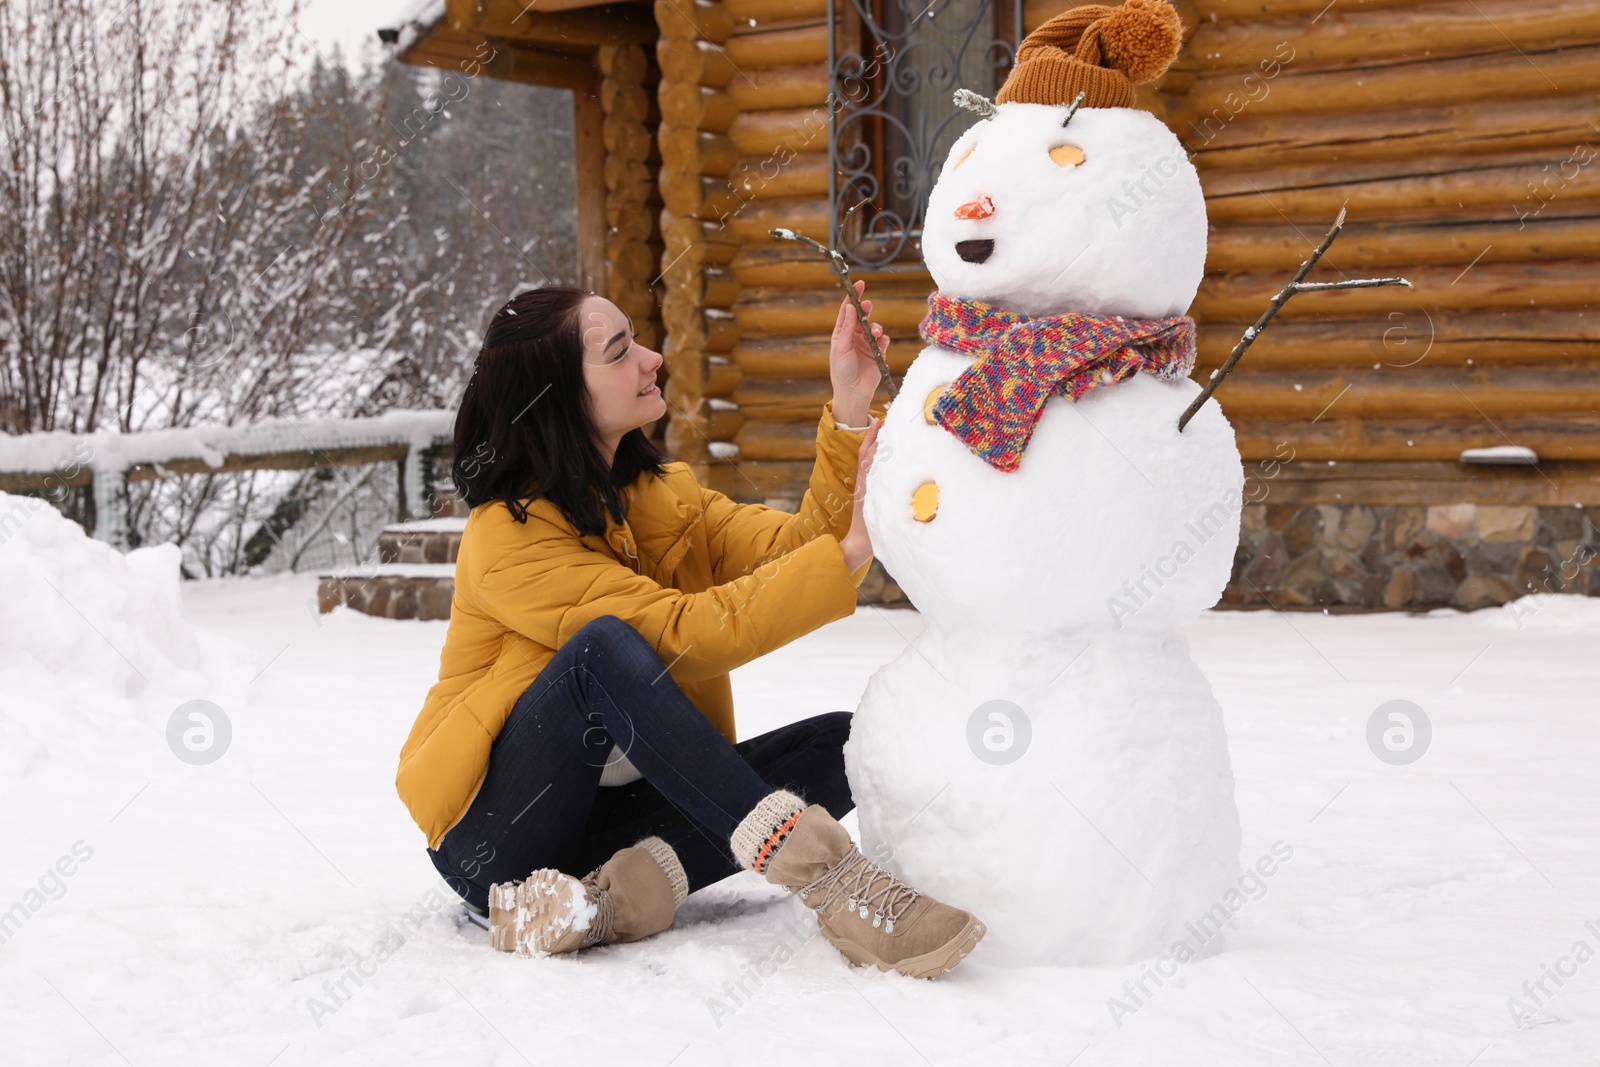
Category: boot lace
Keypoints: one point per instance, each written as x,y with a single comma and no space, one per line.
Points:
858,880
599,932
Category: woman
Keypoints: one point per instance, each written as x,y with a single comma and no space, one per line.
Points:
583,717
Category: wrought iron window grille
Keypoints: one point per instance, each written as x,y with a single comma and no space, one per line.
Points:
893,68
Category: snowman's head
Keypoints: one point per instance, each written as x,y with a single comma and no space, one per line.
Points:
1103,215
1045,207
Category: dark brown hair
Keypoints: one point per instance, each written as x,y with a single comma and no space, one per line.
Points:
525,427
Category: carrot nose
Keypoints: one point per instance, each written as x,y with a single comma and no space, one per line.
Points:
980,208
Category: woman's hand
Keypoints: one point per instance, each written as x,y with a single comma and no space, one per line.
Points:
857,544
851,366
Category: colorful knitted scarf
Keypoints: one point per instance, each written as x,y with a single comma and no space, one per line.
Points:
1021,362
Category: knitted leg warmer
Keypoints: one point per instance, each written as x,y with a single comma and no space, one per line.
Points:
760,834
667,858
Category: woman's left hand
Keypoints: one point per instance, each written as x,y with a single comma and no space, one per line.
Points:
852,367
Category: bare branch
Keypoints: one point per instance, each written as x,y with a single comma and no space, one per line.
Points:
1296,285
842,270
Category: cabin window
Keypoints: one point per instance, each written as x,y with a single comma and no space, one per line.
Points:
895,64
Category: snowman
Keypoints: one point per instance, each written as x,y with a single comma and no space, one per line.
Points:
1046,753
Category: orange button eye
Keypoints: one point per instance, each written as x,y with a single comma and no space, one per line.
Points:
966,155
1067,155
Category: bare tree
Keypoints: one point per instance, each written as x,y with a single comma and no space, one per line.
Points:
164,260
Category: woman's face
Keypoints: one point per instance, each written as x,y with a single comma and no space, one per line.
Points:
619,373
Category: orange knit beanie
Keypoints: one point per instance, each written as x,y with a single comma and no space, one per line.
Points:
1100,50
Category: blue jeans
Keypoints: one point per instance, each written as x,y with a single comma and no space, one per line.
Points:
541,804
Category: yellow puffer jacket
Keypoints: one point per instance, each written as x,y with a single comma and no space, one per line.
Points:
712,584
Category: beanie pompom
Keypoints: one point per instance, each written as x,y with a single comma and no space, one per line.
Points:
1141,38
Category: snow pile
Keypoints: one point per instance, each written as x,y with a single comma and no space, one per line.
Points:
94,650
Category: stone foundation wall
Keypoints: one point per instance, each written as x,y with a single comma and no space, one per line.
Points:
1411,557
1396,557
388,596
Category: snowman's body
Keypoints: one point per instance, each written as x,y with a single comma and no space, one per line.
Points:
1058,587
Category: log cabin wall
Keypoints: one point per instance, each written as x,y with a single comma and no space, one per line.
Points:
1354,409
745,149
1463,136
1462,133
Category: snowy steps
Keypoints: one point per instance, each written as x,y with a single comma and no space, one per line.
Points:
414,577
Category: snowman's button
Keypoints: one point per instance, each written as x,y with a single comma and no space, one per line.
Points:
1067,155
933,398
925,501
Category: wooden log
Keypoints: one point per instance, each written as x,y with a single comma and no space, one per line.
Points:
1238,10
634,221
701,197
609,24
786,264
777,440
689,151
722,424
746,11
1486,285
703,19
1402,82
685,344
789,399
694,62
771,88
1359,36
807,356
630,260
722,330
533,66
781,175
751,223
1408,338
1372,249
626,66
775,312
722,376
1575,437
1506,189
720,287
696,107
627,138
762,134
625,100
709,242
1488,128
1426,390
756,481
622,173
1426,482
779,45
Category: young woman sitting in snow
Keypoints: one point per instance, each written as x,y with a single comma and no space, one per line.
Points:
583,717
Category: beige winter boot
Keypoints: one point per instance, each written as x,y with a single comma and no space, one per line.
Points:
631,896
866,913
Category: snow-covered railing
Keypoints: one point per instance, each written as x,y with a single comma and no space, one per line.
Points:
108,460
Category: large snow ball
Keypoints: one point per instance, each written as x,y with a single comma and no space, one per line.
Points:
1114,519
1103,215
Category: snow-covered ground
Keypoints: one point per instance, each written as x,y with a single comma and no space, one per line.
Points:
212,912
